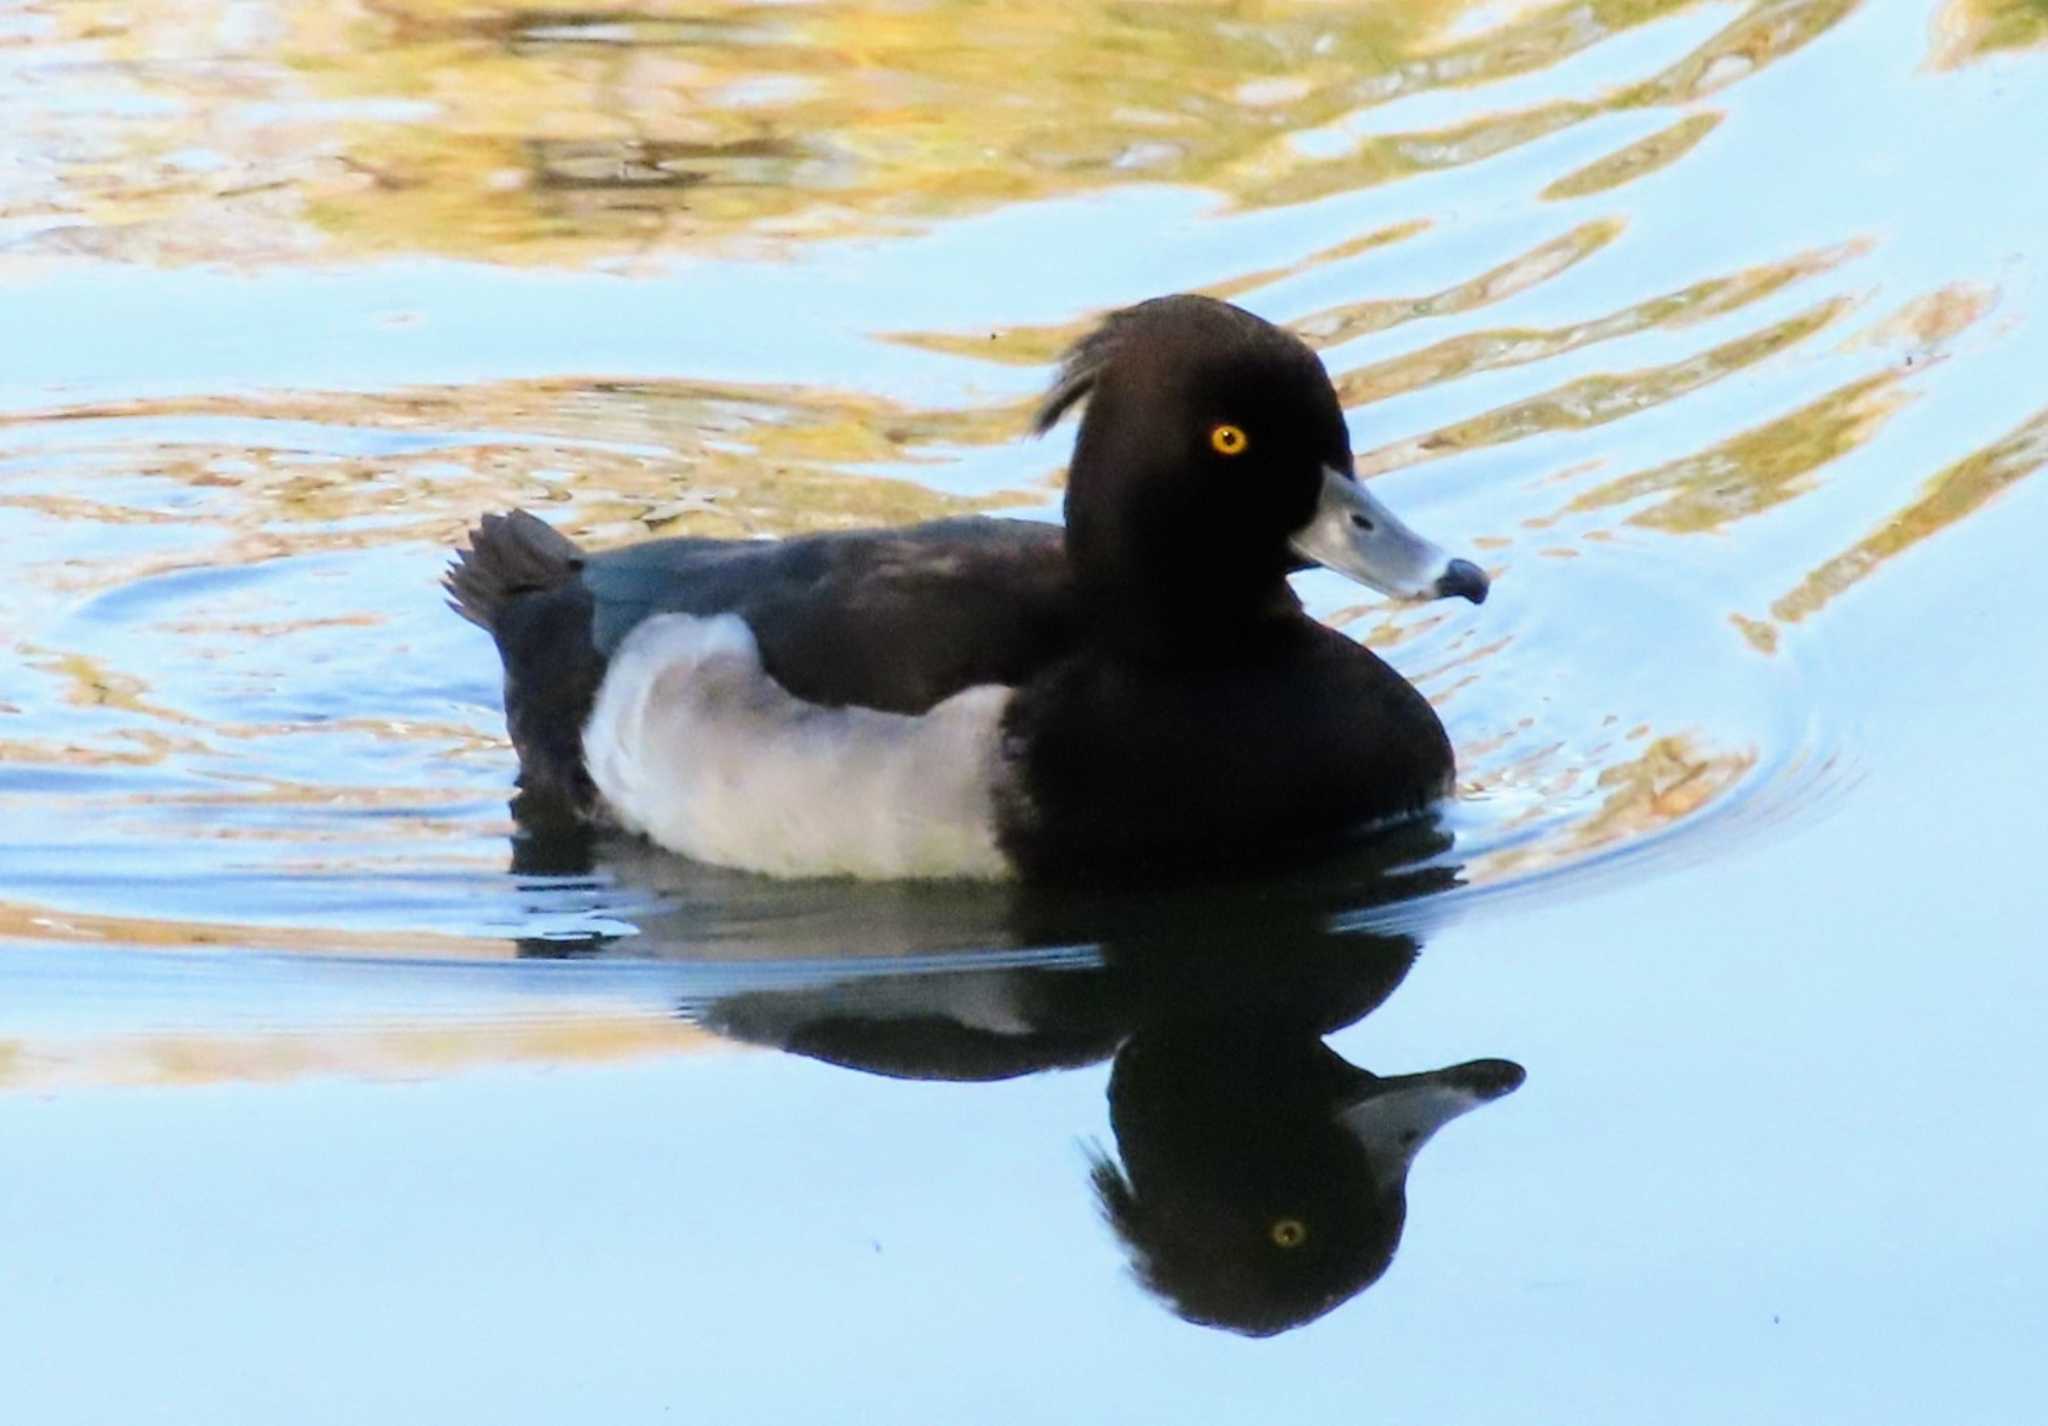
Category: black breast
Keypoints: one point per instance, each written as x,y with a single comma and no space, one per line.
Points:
1120,767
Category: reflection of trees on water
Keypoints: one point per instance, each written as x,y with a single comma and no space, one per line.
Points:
529,133
1257,1179
1669,779
1966,30
1954,493
1606,397
522,132
1756,469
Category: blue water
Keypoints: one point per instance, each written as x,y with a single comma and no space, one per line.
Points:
326,1097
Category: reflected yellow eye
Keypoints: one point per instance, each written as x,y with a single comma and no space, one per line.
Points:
1228,440
1288,1232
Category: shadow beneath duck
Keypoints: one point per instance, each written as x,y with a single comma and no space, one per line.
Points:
1258,1179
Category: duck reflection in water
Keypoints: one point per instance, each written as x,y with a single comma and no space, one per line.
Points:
1264,1178
1259,1180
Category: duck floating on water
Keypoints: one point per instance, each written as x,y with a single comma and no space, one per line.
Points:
1137,694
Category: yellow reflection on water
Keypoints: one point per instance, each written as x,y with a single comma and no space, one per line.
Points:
24,922
1672,778
530,134
1965,30
1497,348
1597,400
1042,345
1954,494
1755,469
386,1052
629,459
1660,150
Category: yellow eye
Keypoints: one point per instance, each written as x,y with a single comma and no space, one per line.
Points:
1288,1232
1228,440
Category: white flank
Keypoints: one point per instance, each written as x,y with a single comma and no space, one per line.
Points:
693,744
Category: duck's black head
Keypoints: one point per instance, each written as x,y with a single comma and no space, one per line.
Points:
1264,1179
1213,459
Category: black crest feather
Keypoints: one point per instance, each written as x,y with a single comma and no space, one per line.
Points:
1187,322
1081,366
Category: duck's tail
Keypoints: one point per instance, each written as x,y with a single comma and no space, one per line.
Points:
521,580
508,556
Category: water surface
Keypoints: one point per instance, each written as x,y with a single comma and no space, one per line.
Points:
1716,332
